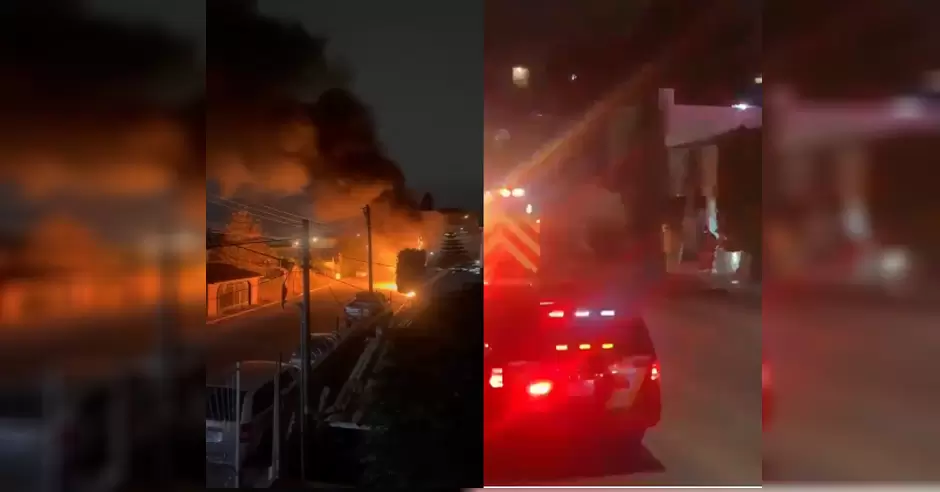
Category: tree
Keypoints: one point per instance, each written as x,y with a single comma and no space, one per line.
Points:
247,249
427,202
453,251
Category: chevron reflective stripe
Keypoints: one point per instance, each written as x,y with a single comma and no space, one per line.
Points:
517,239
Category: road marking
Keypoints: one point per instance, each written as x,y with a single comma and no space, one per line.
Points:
257,308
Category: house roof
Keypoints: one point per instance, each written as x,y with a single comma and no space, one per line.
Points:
223,272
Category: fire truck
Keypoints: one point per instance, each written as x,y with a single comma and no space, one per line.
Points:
575,235
511,243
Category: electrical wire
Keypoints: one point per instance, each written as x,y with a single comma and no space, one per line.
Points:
259,214
259,241
284,214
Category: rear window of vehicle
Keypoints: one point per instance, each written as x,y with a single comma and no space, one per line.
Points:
221,403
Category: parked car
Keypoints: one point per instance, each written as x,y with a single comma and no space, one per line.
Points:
366,305
242,414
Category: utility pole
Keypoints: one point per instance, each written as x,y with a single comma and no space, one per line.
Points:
368,213
304,347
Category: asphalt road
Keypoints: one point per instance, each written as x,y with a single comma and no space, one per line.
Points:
857,385
710,433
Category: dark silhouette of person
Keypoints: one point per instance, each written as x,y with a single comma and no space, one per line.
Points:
284,293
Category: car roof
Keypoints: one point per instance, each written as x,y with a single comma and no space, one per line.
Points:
253,374
368,296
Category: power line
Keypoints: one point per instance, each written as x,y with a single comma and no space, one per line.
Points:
283,214
223,244
259,213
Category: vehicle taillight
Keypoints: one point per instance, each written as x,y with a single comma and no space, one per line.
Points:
496,378
556,314
539,388
608,313
654,371
585,346
582,313
546,303
561,348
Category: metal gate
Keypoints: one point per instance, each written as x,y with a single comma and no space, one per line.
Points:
233,295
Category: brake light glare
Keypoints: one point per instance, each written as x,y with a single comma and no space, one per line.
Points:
585,346
539,388
496,378
654,371
556,314
582,314
608,313
561,348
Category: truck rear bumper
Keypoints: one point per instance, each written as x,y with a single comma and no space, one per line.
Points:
570,415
